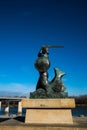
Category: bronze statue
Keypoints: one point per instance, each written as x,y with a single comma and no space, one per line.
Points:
45,88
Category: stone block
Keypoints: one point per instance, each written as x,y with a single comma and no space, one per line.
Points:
48,103
48,116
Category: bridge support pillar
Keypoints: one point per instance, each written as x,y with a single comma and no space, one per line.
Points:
0,104
19,107
7,108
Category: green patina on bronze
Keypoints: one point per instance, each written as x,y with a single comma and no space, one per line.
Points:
45,88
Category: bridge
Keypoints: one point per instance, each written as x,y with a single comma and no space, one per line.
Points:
11,99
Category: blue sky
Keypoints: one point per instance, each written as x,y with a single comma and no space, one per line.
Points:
26,25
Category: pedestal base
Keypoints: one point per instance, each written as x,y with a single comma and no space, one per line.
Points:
48,116
48,111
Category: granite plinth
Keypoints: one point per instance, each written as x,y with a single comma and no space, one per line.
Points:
48,111
48,103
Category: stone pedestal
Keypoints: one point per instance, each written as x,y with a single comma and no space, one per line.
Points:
48,111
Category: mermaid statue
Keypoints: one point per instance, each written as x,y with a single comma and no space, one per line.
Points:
44,88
